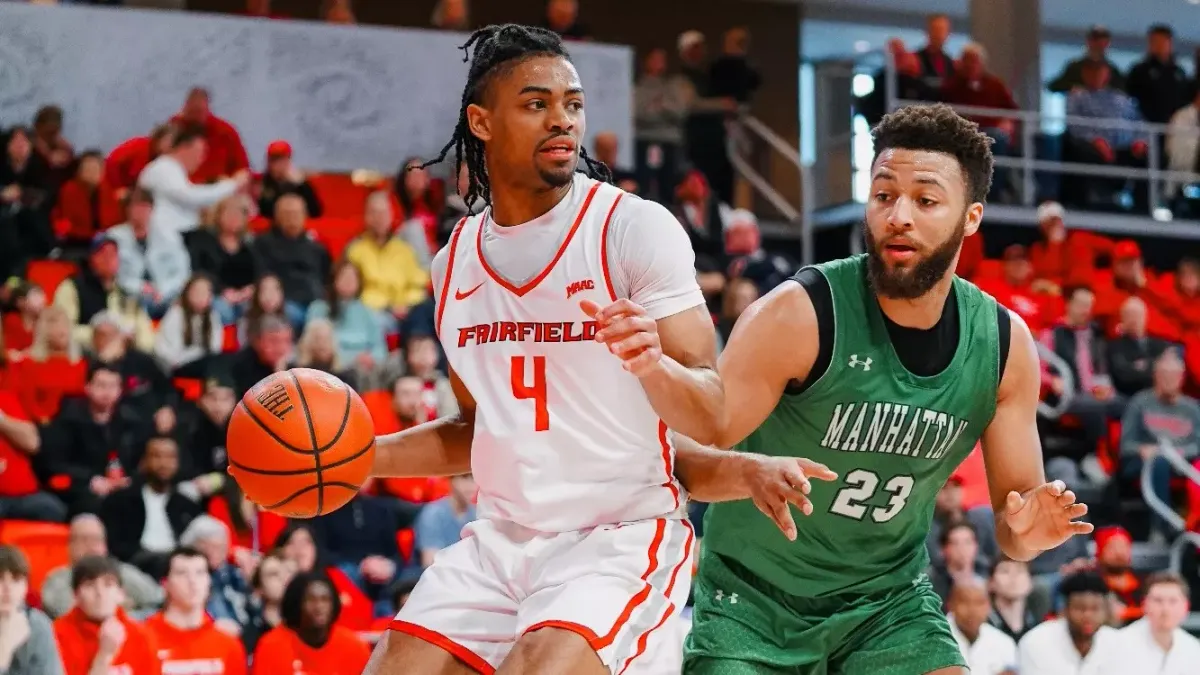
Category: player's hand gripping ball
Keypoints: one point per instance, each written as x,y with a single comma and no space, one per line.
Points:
300,443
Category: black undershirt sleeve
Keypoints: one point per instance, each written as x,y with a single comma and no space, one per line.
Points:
821,296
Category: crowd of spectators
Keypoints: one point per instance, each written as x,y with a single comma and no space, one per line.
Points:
186,279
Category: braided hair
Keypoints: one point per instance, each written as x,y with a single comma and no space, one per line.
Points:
492,51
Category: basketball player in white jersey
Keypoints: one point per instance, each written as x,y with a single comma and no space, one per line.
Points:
576,334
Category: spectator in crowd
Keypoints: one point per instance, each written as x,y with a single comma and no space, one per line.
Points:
1161,414
910,85
1080,642
28,301
338,11
949,510
87,538
267,300
936,65
229,597
1159,639
94,289
270,579
1159,84
1011,586
660,107
52,148
1180,297
146,393
1078,342
298,546
606,148
1130,279
126,161
179,199
86,204
88,445
96,636
421,357
24,204
731,74
146,518
27,645
361,540
282,177
1065,257
440,523
986,649
451,15
1071,77
50,369
225,156
739,294
287,251
393,279
201,427
262,9
959,559
222,251
1114,564
252,529
183,634
704,127
562,17
1183,143
407,410
972,84
455,209
418,209
1104,145
1132,353
1037,301
359,336
703,216
743,243
317,349
190,333
308,638
153,265
269,351
21,495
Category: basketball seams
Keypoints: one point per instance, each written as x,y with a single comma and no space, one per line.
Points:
270,432
310,488
300,472
312,434
341,429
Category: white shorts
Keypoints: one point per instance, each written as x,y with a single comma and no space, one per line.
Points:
615,585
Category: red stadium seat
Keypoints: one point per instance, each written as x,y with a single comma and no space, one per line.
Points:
189,388
44,544
229,337
48,274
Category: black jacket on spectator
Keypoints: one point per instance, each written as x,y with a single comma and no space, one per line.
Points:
1131,362
25,231
246,370
78,448
732,76
301,264
124,516
227,270
766,270
873,106
1159,88
273,189
364,527
930,60
1064,345
93,298
201,443
144,386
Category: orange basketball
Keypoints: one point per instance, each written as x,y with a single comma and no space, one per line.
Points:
300,443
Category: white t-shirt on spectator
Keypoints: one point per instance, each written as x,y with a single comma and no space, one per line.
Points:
992,653
1139,654
157,535
1047,649
177,200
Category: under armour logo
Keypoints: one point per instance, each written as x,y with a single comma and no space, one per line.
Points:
720,596
854,362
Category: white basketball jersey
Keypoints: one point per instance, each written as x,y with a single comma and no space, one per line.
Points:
565,438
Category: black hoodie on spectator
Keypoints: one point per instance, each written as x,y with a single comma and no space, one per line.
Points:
301,264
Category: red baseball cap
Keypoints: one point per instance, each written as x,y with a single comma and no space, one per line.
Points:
278,149
1126,250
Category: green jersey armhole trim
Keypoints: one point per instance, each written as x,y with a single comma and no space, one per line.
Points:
814,389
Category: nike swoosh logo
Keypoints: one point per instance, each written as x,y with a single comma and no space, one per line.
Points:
459,295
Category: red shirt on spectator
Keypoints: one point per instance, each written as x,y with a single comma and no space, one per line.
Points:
126,161
16,470
970,256
985,91
1180,306
270,525
203,651
226,154
41,385
79,641
1072,261
17,335
282,652
86,211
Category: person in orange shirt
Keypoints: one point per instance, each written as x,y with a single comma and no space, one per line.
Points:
1066,257
188,641
86,204
28,300
126,161
1038,302
309,642
97,637
1130,279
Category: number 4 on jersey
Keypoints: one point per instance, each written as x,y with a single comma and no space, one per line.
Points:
861,486
535,391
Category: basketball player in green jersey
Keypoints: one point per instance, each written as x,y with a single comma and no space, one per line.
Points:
886,368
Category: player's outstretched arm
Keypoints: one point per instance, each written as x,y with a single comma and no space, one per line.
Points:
441,447
1031,515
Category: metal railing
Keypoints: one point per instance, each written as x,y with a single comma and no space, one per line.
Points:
1027,163
1180,465
1063,370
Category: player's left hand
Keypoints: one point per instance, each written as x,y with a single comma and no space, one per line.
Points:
1046,516
629,334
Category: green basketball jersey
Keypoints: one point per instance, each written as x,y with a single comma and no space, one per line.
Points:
893,438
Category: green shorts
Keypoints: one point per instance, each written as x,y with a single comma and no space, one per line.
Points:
741,625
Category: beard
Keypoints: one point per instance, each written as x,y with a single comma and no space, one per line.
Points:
557,177
918,279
